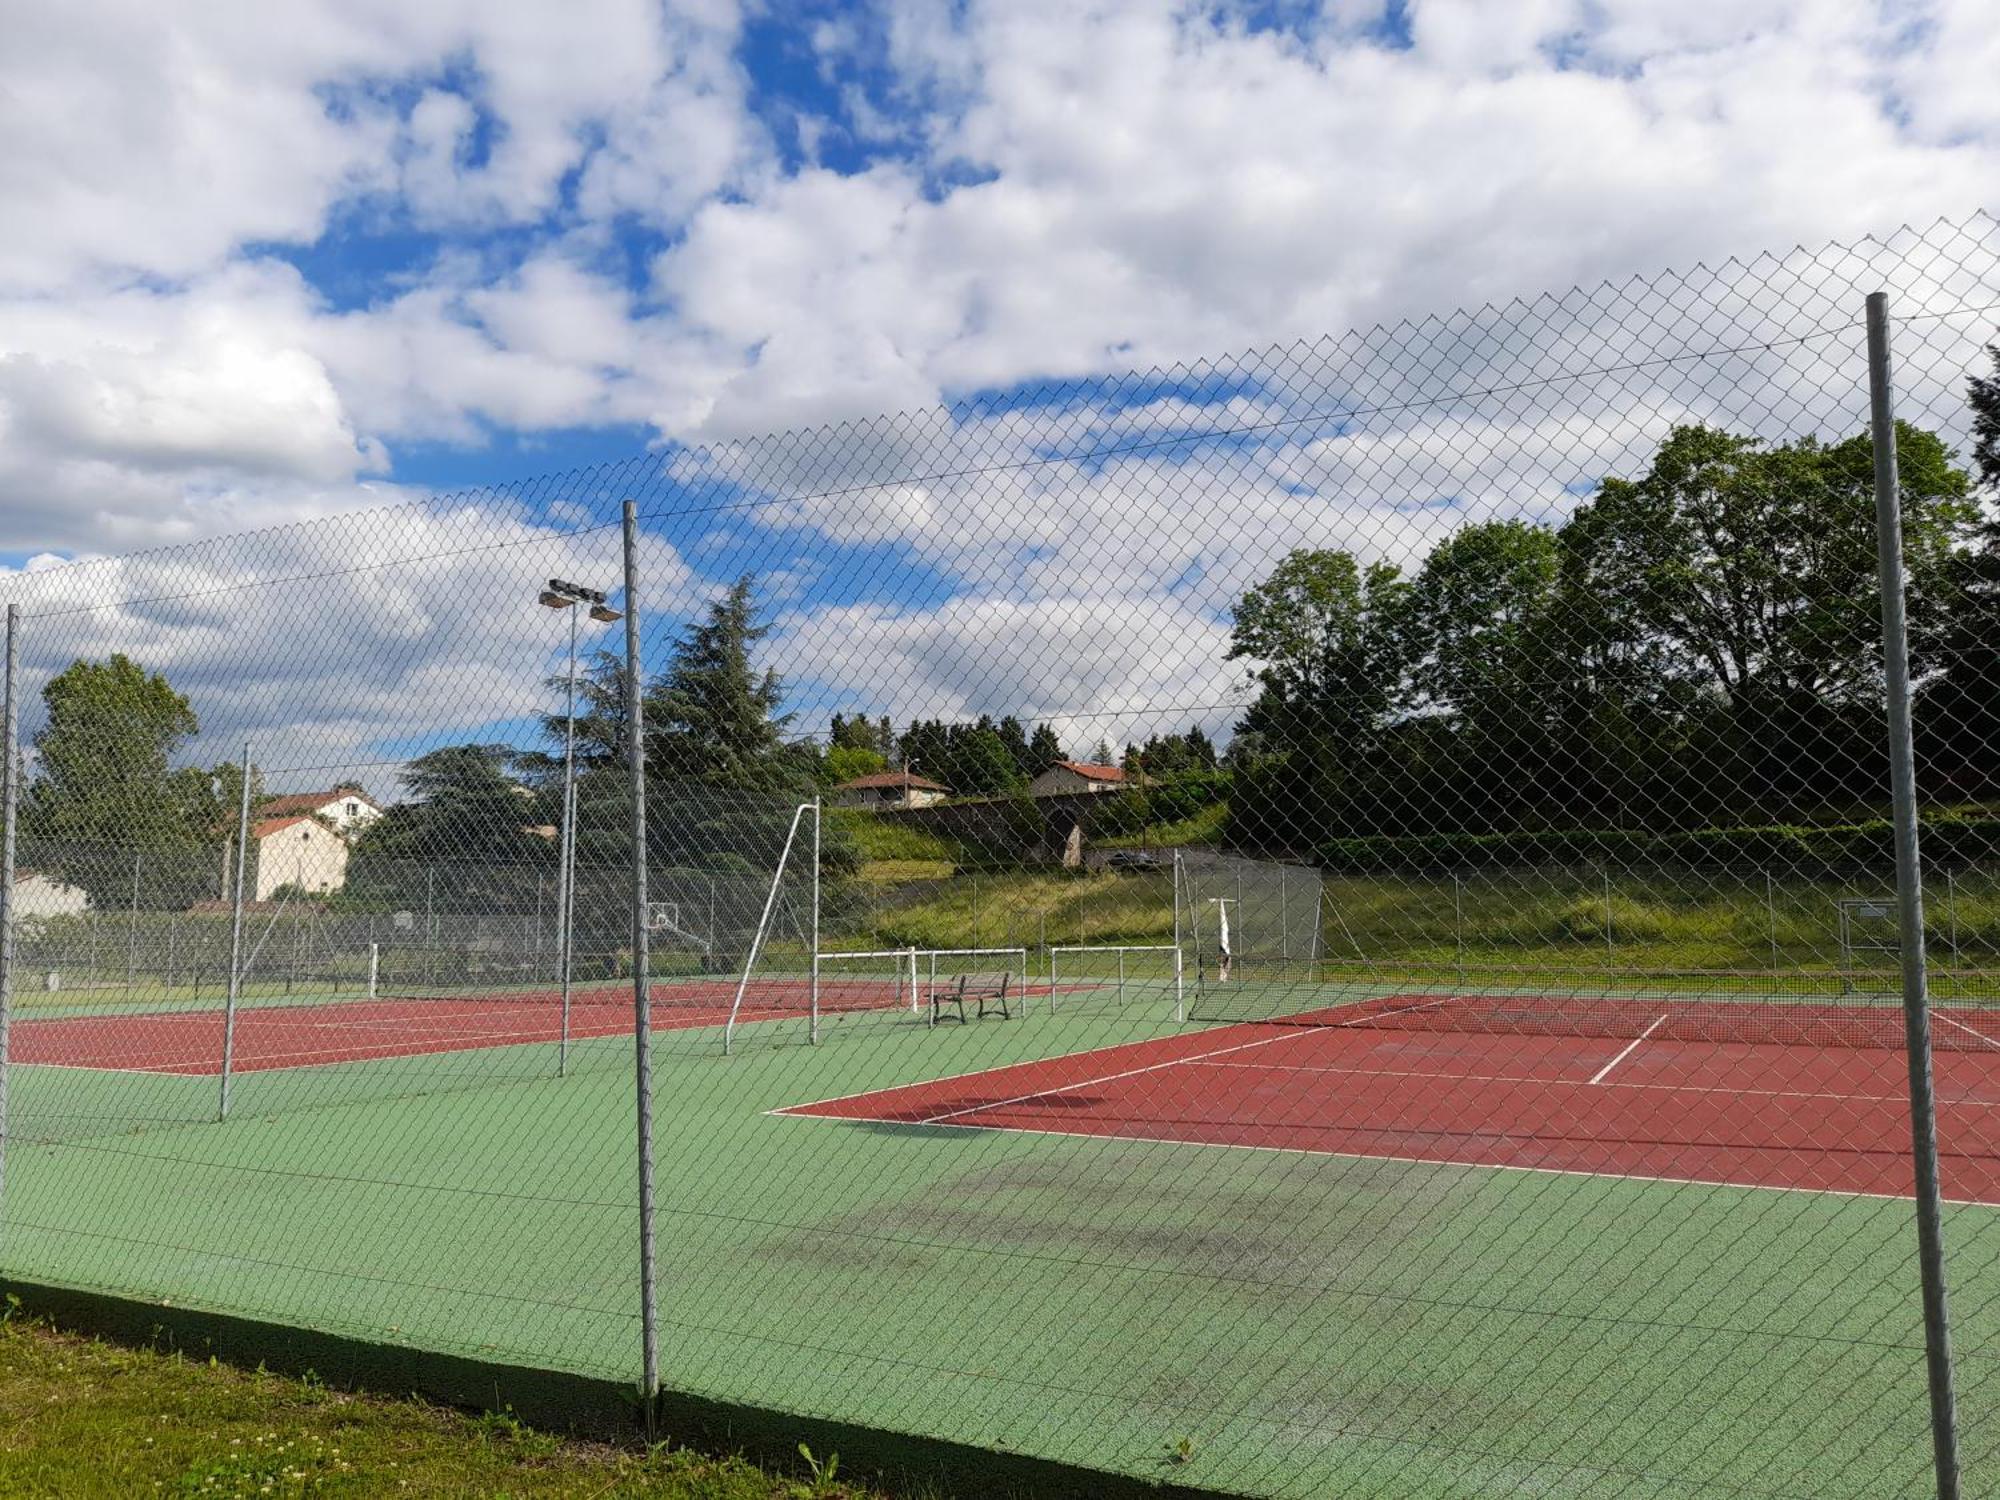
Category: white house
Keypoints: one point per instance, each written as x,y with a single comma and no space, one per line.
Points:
39,896
889,789
298,851
347,808
1067,777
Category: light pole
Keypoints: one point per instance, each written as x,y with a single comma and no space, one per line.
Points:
563,595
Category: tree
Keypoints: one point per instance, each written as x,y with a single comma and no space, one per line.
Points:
1014,739
1044,750
1326,638
857,733
1983,396
466,839
846,762
1745,577
1759,563
106,790
712,717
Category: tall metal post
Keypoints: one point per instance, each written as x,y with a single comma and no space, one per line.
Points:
566,850
1771,920
1458,925
235,989
1910,904
132,928
815,923
430,924
642,993
1610,949
10,798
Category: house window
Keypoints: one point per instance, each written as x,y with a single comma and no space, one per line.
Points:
354,809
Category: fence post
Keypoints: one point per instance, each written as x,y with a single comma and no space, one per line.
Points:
1610,948
815,923
10,796
1771,920
642,996
235,987
132,928
1458,925
1910,903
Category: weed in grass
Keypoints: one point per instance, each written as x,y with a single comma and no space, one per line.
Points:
824,1471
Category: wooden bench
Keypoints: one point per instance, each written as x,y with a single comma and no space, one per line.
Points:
993,989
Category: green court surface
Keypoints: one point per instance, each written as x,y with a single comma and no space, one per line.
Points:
1298,1324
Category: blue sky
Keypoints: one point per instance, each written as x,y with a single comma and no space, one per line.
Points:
263,268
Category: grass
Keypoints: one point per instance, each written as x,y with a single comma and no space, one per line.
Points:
83,1418
880,838
1205,827
1727,932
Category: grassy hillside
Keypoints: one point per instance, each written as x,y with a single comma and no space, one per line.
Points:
1533,927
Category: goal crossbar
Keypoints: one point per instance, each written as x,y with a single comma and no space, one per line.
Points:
1122,949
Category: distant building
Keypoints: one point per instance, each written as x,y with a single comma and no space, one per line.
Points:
298,851
889,789
347,808
1068,777
39,896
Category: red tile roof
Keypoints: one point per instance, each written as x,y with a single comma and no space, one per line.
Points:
901,780
263,828
309,802
1090,772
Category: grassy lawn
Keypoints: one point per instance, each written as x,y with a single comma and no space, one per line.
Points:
84,1418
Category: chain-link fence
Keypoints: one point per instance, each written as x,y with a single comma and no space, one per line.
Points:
1321,923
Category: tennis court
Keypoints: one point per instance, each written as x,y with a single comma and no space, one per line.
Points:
326,1031
1724,1093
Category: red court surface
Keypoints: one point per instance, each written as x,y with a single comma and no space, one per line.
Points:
268,1036
1766,1096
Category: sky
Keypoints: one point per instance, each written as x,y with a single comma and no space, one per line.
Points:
265,264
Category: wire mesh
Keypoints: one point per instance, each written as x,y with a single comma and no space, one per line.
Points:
1421,796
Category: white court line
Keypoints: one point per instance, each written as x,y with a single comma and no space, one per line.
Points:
1631,1047
1965,1028
1173,1062
1732,1090
1415,1161
1235,1029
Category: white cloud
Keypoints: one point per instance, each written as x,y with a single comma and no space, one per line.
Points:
1090,669
1073,190
319,642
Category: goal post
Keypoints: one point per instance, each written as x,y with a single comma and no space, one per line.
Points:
1122,954
764,925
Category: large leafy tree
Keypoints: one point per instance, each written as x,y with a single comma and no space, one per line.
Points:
1326,640
106,791
467,838
1960,711
1758,562
1747,572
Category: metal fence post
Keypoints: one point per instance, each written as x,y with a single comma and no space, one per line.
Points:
132,928
10,798
642,997
1458,925
1910,902
235,987
815,922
